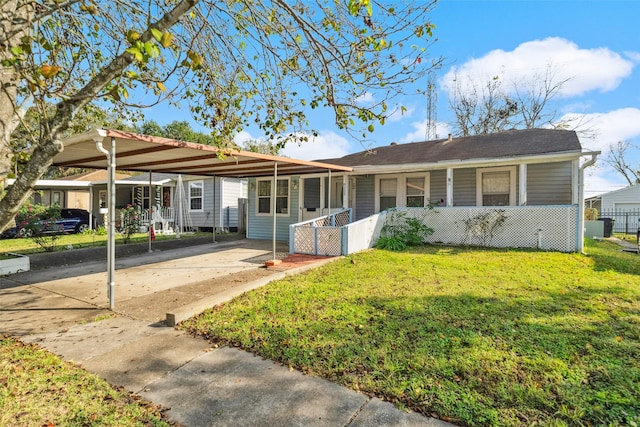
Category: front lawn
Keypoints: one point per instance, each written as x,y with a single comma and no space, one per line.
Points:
81,240
39,389
476,337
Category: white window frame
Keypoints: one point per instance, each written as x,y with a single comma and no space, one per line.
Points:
401,185
427,187
378,189
272,198
201,197
512,183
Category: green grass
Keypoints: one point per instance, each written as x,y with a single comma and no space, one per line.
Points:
82,240
39,389
477,337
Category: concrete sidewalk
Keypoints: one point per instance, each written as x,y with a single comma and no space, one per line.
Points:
57,308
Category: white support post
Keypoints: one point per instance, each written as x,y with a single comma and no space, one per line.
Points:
449,187
274,188
214,208
522,188
329,193
345,191
149,232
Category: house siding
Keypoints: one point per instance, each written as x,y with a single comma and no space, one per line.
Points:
438,182
227,192
626,198
365,196
549,183
261,226
464,187
228,208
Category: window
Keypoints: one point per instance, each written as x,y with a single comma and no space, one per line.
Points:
196,195
496,186
264,196
55,198
282,196
415,192
388,190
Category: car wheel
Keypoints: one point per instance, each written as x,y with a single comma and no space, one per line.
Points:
25,232
80,228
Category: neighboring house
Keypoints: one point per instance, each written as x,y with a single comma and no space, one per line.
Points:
623,199
89,191
622,206
197,200
70,191
534,175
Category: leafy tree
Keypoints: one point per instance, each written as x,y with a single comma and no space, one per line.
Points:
496,107
261,146
31,130
234,62
179,130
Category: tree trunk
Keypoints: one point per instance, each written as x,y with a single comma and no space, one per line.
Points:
14,18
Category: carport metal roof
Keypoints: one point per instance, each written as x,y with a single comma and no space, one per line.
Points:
135,152
114,149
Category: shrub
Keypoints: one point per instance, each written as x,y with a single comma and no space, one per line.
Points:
130,222
38,222
483,227
398,232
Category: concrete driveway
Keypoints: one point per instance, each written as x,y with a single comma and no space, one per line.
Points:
59,296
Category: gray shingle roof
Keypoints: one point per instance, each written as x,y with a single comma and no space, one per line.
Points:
515,143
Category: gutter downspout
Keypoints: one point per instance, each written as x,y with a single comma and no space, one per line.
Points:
111,243
594,156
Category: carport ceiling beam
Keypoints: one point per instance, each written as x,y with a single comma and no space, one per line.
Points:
131,153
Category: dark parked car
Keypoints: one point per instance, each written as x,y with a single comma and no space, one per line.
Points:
71,221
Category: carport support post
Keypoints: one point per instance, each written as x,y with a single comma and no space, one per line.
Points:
111,242
214,207
150,213
111,217
273,195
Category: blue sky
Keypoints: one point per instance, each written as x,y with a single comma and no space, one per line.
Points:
596,44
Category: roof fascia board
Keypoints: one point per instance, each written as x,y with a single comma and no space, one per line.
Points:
458,164
100,134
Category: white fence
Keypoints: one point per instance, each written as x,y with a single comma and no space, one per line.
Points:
320,236
542,227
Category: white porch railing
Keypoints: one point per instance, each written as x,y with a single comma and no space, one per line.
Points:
542,227
320,236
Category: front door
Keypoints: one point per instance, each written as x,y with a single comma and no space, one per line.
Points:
311,202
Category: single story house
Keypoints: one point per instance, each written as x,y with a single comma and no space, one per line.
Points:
207,201
534,175
622,199
89,191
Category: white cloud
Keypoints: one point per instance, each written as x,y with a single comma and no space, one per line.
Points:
601,130
398,113
419,131
365,98
588,69
327,145
242,137
607,128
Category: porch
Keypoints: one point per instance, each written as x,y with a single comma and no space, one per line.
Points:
550,228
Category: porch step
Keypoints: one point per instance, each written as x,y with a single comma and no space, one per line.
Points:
299,260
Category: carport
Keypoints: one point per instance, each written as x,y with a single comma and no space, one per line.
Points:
118,150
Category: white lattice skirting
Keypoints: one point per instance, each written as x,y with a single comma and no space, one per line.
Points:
541,227
553,228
